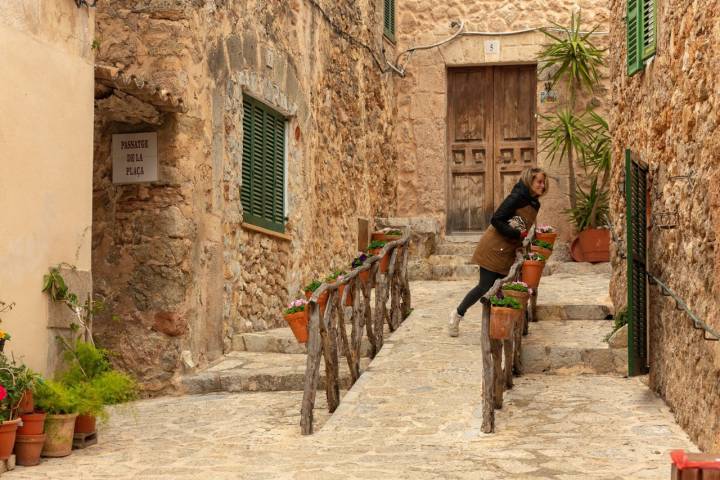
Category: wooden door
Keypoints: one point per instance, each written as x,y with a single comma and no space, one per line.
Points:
491,139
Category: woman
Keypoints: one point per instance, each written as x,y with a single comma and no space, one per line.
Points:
495,252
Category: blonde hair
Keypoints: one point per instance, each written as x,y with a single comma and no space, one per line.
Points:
529,174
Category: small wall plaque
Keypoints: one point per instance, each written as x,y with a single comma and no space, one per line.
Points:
492,47
134,158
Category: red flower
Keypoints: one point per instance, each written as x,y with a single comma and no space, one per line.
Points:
3,393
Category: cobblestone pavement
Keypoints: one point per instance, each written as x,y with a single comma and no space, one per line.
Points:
414,414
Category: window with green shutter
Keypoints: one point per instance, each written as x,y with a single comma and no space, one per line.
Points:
641,22
390,19
263,166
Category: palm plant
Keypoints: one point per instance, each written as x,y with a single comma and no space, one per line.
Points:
593,203
572,58
597,158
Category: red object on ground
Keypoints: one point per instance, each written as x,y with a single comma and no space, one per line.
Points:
683,460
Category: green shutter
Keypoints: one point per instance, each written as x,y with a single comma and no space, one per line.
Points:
389,16
649,29
263,166
634,34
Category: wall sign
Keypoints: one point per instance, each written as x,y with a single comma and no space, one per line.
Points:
492,47
134,157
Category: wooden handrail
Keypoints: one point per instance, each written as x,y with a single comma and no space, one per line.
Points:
495,380
327,337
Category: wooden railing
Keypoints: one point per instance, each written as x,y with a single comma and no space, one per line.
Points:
497,376
327,336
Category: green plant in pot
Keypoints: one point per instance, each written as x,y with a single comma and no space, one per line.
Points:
61,405
573,60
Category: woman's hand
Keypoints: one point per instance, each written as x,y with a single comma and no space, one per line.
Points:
523,234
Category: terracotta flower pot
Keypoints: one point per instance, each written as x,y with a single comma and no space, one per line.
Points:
8,430
298,323
546,237
322,300
545,252
349,299
28,448
502,322
382,237
59,431
595,244
531,272
364,277
521,297
384,262
85,424
33,424
27,404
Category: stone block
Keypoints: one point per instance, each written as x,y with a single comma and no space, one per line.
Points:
619,339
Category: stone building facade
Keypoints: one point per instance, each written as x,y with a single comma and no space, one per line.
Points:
439,169
46,89
181,269
667,114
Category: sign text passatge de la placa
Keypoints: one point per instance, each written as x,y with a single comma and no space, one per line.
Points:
134,157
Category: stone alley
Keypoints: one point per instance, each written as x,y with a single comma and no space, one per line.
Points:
414,414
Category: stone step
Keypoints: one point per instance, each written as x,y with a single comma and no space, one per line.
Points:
282,340
572,348
555,312
576,268
456,248
453,272
258,372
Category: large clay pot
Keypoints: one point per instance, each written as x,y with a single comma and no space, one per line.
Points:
384,262
85,424
364,277
547,237
8,430
595,244
28,448
33,424
349,299
27,404
545,252
502,322
531,272
59,431
298,323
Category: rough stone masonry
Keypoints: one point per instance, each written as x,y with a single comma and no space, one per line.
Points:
180,272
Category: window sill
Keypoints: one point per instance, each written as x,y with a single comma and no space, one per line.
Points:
265,231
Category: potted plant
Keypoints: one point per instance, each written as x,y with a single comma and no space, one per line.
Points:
94,384
520,291
29,380
375,248
542,247
358,262
11,392
503,314
61,405
296,317
4,336
546,233
337,276
322,299
387,235
532,269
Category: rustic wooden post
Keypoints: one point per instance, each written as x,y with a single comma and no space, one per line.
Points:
312,369
488,424
367,312
328,332
348,350
379,312
496,346
405,281
517,342
509,357
358,318
395,275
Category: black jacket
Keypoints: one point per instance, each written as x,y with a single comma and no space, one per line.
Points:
519,197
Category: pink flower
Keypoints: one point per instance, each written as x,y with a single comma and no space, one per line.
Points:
3,393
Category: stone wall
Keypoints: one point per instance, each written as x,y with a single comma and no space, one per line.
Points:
46,89
183,274
422,94
668,116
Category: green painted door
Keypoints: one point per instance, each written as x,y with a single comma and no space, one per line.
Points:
636,226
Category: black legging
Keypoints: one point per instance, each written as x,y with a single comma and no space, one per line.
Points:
487,280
